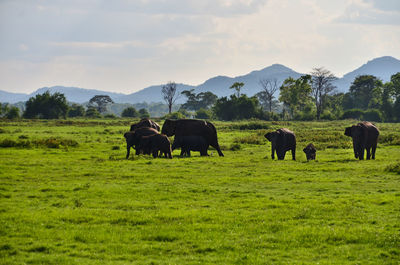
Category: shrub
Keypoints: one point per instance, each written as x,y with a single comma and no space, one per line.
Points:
130,112
254,125
203,114
327,115
13,113
175,116
353,114
372,115
110,116
235,147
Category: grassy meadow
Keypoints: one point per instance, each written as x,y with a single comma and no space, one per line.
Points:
69,196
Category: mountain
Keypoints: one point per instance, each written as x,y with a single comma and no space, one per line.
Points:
383,68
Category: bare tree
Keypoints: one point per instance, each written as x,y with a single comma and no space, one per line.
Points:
269,87
169,94
322,86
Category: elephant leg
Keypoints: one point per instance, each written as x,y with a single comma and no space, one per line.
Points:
188,152
294,153
273,153
128,149
368,153
373,151
361,154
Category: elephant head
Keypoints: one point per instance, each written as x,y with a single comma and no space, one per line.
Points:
168,128
357,133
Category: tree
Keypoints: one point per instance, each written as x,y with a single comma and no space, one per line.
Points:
168,92
195,102
12,113
92,112
46,106
237,108
321,84
266,96
76,110
237,86
394,88
100,102
295,94
143,113
130,112
366,92
203,114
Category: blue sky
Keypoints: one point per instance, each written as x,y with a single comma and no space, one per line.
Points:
124,46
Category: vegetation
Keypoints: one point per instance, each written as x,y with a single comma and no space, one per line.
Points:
130,112
46,106
74,198
100,102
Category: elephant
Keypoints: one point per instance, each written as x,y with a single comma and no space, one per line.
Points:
310,152
365,136
191,143
156,143
282,140
133,139
145,122
191,127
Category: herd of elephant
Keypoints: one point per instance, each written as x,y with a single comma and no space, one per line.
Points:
198,135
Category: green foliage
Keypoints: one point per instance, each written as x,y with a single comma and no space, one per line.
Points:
89,205
237,108
366,91
12,113
92,112
100,102
237,86
353,114
130,112
203,114
195,102
175,115
46,106
295,94
76,110
144,113
372,115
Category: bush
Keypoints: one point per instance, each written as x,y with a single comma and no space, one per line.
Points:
92,113
203,114
372,115
129,112
76,110
143,113
13,113
327,115
353,114
175,116
110,116
235,147
253,125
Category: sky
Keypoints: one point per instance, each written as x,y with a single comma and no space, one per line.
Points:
127,45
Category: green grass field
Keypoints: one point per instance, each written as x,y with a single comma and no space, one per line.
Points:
69,196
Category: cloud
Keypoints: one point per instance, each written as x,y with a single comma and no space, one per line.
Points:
371,12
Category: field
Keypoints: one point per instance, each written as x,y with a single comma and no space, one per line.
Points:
69,196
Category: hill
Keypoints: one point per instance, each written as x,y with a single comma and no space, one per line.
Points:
382,68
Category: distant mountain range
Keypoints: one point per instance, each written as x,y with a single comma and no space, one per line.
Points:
383,68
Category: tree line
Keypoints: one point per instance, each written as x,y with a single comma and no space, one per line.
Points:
309,97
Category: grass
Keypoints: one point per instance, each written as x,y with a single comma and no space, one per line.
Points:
85,203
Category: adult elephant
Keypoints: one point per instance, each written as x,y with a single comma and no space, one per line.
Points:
282,140
365,137
145,122
133,139
188,127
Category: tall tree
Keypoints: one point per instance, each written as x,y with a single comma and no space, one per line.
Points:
321,84
266,96
366,91
168,92
237,86
295,93
100,102
46,106
395,85
195,102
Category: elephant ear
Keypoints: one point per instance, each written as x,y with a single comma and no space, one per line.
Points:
347,131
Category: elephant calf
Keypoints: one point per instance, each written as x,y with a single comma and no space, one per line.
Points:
156,143
310,152
133,139
191,143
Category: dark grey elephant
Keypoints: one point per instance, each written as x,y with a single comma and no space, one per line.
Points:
310,152
145,122
188,127
156,143
191,143
133,139
282,140
365,137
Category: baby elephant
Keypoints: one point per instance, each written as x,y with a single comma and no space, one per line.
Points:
191,143
310,152
155,143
